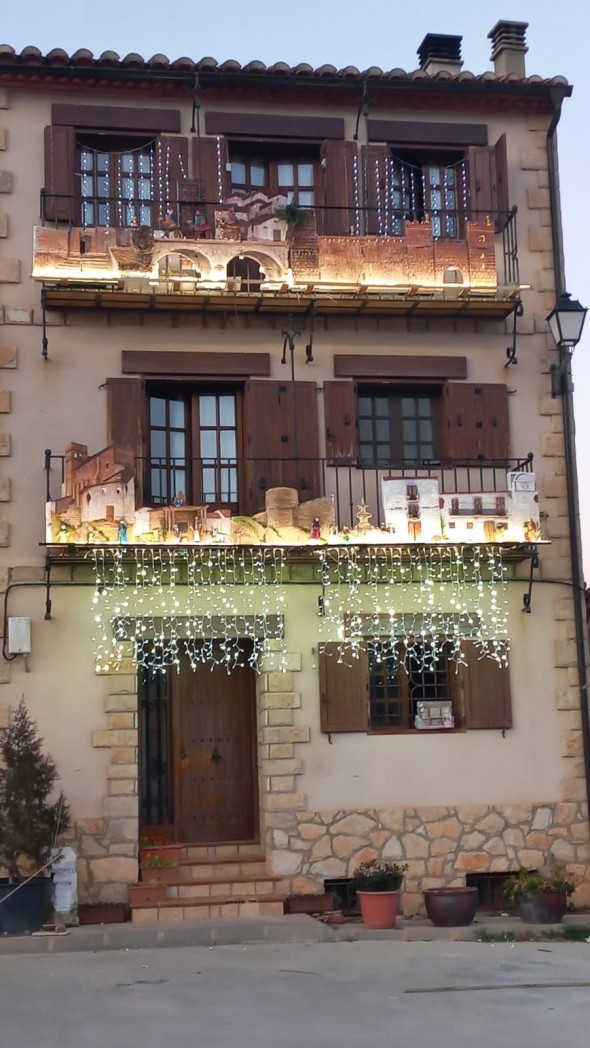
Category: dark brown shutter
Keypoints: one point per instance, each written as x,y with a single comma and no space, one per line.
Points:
482,182
340,412
343,692
488,182
375,168
60,164
487,692
502,190
173,164
475,421
337,187
126,410
279,450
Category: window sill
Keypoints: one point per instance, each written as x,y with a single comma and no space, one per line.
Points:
417,731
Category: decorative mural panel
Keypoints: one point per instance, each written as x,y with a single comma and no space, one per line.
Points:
97,504
284,242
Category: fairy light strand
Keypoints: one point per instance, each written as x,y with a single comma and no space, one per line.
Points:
161,604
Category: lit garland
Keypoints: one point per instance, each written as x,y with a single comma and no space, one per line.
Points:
172,601
355,182
168,602
412,601
219,171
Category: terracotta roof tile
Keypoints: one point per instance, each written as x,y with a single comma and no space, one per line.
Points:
30,56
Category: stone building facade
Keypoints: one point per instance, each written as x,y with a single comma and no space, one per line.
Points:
423,306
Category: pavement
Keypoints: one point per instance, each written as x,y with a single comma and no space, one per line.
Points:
317,995
296,928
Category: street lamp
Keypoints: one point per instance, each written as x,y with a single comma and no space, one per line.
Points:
566,321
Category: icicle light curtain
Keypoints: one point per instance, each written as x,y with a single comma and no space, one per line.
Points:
156,605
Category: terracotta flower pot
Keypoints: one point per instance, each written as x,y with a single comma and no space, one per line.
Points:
170,852
378,909
542,907
451,907
146,894
110,913
159,874
320,903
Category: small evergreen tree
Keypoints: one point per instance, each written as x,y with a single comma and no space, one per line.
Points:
29,823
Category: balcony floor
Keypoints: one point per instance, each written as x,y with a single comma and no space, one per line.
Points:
493,305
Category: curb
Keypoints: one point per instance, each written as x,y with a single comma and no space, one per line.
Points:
295,928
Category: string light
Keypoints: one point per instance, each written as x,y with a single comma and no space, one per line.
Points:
413,602
378,197
219,171
355,185
169,602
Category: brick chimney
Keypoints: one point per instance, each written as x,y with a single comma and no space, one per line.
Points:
438,52
509,48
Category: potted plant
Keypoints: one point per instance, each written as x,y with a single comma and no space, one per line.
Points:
157,870
539,898
158,848
102,913
29,825
451,907
377,885
292,215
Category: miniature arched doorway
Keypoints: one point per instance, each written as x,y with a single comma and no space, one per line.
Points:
244,273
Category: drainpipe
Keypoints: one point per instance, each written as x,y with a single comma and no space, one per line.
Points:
571,477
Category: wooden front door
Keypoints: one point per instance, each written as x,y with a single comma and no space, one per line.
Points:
215,769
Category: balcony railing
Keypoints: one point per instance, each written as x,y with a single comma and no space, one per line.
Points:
435,248
240,485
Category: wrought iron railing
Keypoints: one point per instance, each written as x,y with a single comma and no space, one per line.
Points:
240,485
193,220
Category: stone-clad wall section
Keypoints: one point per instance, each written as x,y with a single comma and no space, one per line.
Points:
440,844
107,845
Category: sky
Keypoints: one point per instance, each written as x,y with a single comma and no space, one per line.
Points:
371,32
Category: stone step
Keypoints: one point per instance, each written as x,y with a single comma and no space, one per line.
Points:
220,886
229,869
204,908
229,850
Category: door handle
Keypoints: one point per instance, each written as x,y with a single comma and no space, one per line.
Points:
183,754
215,755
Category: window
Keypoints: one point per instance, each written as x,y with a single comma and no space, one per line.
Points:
371,696
397,696
291,173
420,187
400,428
116,180
193,448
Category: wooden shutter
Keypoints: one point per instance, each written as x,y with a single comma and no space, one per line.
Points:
488,702
279,451
488,182
60,164
343,692
337,187
375,167
475,421
482,182
126,409
340,412
173,159
501,175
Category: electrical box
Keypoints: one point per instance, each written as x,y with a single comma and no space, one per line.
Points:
19,636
